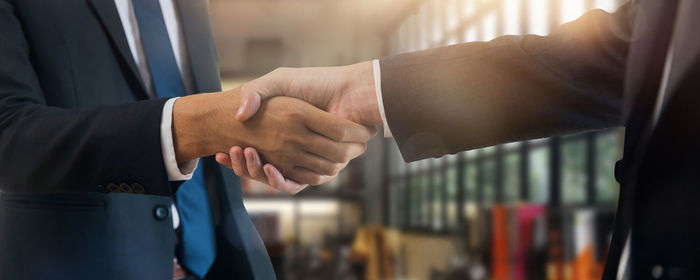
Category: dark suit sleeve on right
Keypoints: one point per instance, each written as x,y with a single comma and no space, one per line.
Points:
49,149
512,88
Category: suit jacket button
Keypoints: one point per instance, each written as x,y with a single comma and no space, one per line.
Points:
102,189
125,188
161,212
112,188
137,188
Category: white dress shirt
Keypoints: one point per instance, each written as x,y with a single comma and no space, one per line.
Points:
128,18
378,91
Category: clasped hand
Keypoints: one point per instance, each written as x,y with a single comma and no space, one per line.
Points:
345,92
305,143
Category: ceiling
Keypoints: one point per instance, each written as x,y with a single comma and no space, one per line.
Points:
256,36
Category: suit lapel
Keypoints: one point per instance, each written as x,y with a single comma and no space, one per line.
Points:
686,46
199,41
108,14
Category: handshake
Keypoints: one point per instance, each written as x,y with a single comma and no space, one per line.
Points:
290,128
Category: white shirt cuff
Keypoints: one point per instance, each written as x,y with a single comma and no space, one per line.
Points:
175,172
380,102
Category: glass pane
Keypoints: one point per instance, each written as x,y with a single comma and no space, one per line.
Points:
607,153
437,189
488,180
415,201
470,182
538,175
511,177
451,184
574,179
395,189
426,203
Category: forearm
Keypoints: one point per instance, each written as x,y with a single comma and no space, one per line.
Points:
48,149
513,88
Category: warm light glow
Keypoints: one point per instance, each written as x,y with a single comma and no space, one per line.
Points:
471,34
423,27
452,14
452,40
320,207
572,9
438,21
468,8
511,14
489,27
539,15
607,5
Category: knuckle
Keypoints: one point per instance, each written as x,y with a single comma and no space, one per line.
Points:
363,147
338,167
342,133
317,180
347,156
329,169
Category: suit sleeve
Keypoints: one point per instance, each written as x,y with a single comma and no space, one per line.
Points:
50,149
512,88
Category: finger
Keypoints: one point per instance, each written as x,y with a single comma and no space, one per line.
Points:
338,129
254,164
339,152
279,182
306,176
319,165
238,162
223,159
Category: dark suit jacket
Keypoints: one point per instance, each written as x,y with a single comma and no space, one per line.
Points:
602,70
76,129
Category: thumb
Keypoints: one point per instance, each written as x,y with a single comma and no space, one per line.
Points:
250,103
253,92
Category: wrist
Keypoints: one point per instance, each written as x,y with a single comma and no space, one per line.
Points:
196,120
362,89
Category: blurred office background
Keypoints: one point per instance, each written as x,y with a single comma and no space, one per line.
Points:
540,209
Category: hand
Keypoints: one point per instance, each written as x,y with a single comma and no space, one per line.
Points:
309,145
346,91
247,164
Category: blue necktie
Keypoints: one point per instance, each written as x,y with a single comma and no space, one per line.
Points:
198,240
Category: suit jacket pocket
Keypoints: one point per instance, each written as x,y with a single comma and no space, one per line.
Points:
55,202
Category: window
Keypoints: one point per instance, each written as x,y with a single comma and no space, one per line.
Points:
511,176
432,195
574,177
452,199
538,173
606,154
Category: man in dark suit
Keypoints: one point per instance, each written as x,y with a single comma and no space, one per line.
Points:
638,68
95,145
